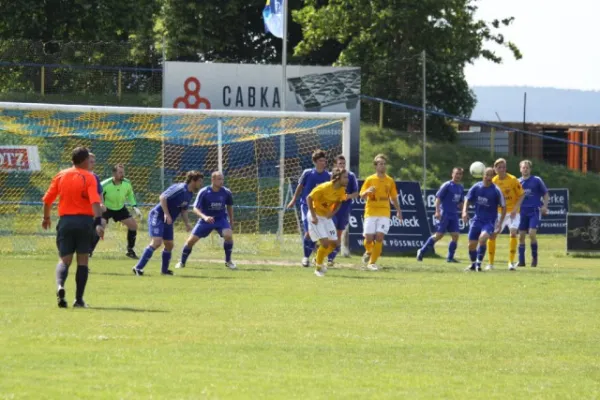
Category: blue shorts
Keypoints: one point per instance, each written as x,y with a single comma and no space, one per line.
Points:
340,220
303,212
448,224
530,219
158,228
477,227
203,228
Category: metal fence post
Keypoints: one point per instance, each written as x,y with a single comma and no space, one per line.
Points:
381,115
120,85
43,81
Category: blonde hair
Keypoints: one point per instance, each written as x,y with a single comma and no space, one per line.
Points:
499,161
379,156
526,162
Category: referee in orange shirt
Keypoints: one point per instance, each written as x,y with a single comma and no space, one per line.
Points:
80,213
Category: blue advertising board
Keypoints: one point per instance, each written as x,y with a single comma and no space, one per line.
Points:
406,235
555,223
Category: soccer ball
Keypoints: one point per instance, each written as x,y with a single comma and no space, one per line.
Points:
477,169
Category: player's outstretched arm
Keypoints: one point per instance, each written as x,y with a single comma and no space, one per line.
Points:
133,202
465,211
296,195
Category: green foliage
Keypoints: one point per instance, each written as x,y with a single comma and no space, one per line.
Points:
386,39
405,152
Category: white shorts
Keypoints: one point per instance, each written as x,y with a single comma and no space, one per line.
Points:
373,225
323,229
511,223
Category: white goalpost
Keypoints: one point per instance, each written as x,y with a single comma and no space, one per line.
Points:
259,152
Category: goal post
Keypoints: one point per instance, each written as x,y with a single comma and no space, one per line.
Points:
259,152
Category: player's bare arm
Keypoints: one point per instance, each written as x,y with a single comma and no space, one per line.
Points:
366,192
502,216
514,212
203,216
396,204
438,212
230,215
545,205
296,195
186,220
165,208
465,211
311,208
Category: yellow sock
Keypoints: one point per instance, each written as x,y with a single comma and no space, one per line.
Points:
369,247
330,249
491,245
513,249
321,254
377,248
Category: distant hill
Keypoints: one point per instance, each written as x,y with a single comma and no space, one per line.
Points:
543,104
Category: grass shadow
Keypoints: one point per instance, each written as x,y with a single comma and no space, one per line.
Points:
127,309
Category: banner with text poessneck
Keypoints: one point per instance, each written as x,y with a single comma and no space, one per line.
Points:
406,235
555,223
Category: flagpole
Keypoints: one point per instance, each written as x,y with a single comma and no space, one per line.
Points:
283,107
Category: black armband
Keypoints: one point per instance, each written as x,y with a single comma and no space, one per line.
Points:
97,221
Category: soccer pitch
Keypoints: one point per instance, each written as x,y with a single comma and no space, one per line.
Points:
273,330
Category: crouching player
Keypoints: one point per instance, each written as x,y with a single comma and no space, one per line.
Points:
324,201
487,199
214,207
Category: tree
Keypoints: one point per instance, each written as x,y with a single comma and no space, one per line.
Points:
386,38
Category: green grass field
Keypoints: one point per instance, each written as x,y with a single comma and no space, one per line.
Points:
274,330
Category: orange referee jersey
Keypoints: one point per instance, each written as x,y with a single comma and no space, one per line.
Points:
76,189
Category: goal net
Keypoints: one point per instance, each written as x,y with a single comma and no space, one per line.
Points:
261,154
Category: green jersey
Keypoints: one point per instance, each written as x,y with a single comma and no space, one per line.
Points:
115,196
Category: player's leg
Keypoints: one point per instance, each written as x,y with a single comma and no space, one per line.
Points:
166,254
440,230
126,219
534,223
382,227
369,230
340,222
84,234
491,245
474,234
66,249
319,233
452,247
513,226
225,231
201,230
487,233
523,228
155,243
308,244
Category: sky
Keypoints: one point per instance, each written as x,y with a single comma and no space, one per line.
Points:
558,39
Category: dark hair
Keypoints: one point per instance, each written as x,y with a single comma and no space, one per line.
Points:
457,169
340,157
117,166
318,154
337,173
79,155
193,176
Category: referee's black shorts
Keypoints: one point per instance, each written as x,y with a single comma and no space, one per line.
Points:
74,234
116,215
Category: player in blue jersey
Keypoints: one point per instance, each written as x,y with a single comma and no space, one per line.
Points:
214,207
448,203
309,179
531,213
173,201
487,199
91,169
342,217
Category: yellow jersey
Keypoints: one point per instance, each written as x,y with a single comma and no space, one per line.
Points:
511,190
325,198
378,203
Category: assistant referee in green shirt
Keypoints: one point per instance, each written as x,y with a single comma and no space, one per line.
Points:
116,192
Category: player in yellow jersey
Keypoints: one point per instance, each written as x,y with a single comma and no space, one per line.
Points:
378,189
323,202
514,194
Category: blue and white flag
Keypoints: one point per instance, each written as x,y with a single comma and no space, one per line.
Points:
273,17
